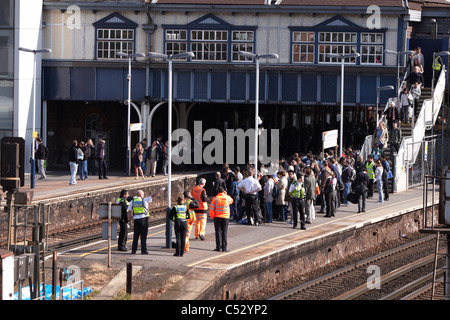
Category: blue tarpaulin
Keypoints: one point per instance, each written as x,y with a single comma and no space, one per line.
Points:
68,293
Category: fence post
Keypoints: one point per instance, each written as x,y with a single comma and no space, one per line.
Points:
129,277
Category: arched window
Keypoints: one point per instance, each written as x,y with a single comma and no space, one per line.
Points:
92,124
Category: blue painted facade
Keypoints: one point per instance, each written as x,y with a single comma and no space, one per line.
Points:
110,84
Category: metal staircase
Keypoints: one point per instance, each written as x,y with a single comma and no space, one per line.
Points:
413,134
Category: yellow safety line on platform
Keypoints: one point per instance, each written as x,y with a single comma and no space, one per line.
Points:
289,234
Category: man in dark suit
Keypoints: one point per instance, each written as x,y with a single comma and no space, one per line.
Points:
218,183
361,183
391,115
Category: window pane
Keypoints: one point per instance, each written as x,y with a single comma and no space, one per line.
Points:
6,13
120,40
6,53
6,107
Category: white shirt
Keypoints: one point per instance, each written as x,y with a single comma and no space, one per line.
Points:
379,173
249,185
146,201
268,188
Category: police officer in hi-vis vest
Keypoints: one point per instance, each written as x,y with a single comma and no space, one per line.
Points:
124,200
297,192
138,207
370,166
180,213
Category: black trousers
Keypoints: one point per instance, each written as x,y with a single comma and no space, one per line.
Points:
330,201
298,208
123,232
361,194
370,191
102,168
140,231
91,166
221,229
180,227
251,206
386,189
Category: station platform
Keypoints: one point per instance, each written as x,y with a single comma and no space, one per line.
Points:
57,183
258,256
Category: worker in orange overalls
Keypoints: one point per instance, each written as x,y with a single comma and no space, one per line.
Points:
191,203
220,213
201,213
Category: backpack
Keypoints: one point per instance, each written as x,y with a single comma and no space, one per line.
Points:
275,191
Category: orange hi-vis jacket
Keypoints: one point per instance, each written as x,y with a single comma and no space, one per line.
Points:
220,206
197,193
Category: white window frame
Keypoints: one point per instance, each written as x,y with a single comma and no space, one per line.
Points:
242,40
336,43
176,41
116,40
308,43
372,46
208,44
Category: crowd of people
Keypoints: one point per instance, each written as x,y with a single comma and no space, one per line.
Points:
412,87
301,182
85,159
82,158
290,195
146,159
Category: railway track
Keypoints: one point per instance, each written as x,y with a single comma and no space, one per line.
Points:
402,268
74,235
80,234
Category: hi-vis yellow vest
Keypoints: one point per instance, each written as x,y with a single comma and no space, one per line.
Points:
436,64
181,211
138,206
299,191
370,170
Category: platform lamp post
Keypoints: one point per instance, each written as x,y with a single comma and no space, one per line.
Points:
129,56
378,95
399,53
33,134
257,57
342,58
169,57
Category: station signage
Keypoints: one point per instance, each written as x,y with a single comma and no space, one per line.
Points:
137,126
329,139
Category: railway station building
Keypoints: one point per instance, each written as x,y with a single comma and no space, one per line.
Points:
82,85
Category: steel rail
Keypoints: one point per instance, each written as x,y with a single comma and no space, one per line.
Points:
341,272
391,276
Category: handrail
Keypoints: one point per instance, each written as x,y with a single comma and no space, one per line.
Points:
368,141
425,120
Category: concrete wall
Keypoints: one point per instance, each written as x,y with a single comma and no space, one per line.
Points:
306,257
85,207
